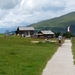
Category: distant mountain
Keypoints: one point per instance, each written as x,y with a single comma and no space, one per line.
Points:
10,30
58,24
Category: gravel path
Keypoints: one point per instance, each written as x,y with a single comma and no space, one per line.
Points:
62,61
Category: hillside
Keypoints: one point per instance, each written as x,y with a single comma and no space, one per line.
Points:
57,24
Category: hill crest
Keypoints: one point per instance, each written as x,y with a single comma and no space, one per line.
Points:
57,24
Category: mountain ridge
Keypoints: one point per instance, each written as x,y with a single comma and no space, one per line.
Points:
57,24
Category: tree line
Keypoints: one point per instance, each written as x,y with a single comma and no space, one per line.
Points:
66,34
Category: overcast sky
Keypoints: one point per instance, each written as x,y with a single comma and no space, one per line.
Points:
25,12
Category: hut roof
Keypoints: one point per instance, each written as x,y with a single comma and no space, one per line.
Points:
25,28
47,32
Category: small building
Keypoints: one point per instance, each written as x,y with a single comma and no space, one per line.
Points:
25,31
46,34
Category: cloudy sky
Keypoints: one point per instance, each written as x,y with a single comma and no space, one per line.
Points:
24,12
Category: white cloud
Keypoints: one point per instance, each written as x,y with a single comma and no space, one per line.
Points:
24,12
70,5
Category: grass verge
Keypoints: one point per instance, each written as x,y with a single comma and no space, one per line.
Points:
73,48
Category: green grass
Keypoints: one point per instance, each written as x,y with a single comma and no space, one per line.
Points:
18,56
73,48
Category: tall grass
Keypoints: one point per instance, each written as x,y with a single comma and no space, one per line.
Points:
18,56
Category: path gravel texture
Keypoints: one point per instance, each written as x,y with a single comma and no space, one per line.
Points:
62,61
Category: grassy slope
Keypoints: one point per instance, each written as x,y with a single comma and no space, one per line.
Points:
18,56
73,48
62,21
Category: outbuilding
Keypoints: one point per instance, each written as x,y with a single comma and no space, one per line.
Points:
46,34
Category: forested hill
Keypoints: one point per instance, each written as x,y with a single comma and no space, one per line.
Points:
58,24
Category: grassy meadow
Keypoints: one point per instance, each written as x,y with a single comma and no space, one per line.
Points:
73,48
18,56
